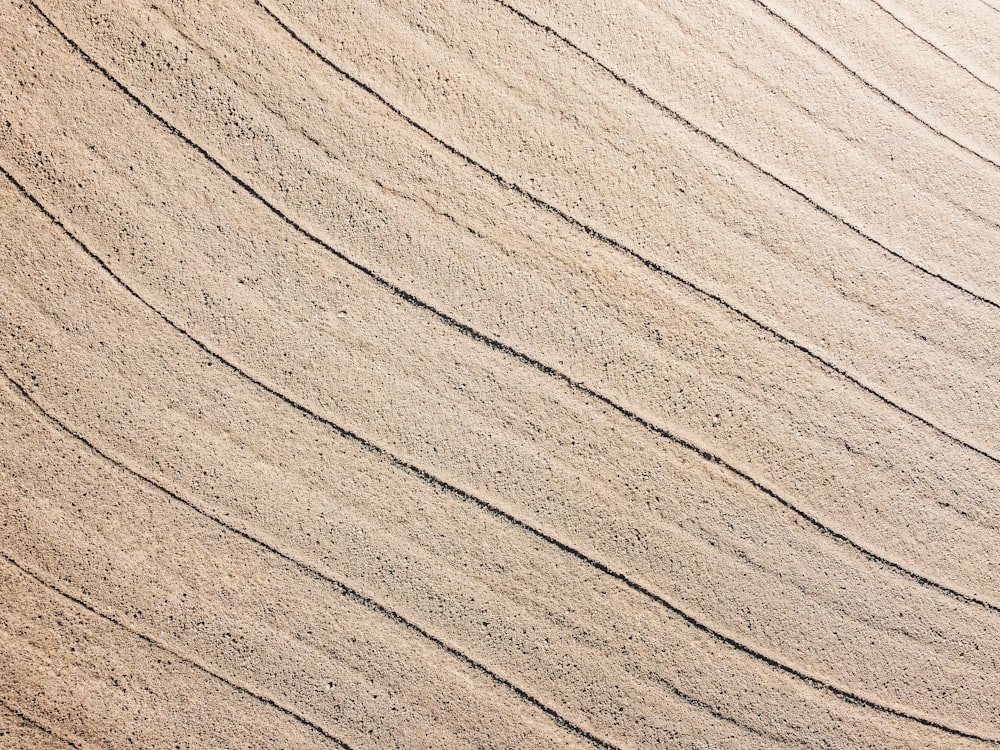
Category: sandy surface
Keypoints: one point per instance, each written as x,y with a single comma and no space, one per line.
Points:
500,374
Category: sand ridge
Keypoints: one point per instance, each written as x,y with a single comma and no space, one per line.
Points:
466,385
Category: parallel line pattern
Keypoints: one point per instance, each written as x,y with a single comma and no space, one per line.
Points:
816,683
316,574
520,356
874,89
156,643
39,725
935,47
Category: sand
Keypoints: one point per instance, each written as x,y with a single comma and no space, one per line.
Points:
500,374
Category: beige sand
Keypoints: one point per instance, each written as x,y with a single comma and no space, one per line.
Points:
500,374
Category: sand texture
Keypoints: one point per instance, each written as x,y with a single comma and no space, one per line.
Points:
500,374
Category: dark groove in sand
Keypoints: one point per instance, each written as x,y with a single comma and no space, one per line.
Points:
677,116
716,141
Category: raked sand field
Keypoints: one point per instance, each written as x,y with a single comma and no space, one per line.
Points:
500,374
